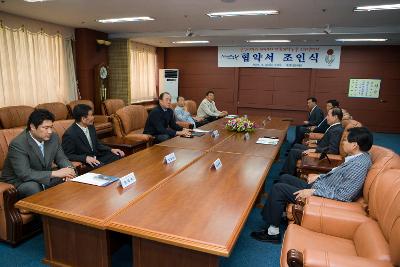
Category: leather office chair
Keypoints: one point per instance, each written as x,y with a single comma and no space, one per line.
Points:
15,116
110,106
129,123
344,238
191,107
15,224
59,110
102,123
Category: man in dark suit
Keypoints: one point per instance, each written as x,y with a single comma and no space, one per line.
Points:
329,143
28,165
161,121
80,142
323,125
315,116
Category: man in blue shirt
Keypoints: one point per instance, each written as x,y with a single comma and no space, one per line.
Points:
181,113
343,183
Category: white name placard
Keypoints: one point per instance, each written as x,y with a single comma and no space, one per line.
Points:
313,57
215,134
127,180
217,164
170,158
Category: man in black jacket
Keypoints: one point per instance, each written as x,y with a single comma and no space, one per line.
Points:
161,121
80,142
315,116
329,143
323,125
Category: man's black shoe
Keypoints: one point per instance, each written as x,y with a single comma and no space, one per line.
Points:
265,237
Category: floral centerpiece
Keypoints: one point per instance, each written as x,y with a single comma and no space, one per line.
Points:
240,125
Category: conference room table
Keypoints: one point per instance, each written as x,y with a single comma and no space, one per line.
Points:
185,213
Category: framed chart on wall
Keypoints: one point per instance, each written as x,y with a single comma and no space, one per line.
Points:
366,88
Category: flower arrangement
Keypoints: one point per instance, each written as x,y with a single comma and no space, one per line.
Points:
240,125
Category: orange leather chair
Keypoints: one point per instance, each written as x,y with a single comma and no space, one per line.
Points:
110,106
129,123
345,238
102,123
15,224
59,110
191,107
15,116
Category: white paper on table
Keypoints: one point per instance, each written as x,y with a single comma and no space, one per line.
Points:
93,179
267,141
200,131
231,116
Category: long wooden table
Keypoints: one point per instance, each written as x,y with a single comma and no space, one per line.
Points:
75,215
180,214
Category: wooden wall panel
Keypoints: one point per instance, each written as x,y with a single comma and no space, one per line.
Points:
283,92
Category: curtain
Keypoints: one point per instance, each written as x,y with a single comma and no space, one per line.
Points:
143,71
35,68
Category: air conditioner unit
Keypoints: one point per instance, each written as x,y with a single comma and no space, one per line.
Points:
168,82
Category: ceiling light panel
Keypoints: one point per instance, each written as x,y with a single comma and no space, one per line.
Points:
243,13
268,41
191,42
377,7
132,19
362,40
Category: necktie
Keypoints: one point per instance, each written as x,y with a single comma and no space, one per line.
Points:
88,137
41,146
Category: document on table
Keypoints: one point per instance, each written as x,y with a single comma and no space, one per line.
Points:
267,141
95,179
231,116
200,131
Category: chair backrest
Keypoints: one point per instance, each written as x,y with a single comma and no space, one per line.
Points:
385,210
347,125
15,116
132,117
191,107
6,136
173,106
61,126
59,109
110,106
382,159
72,104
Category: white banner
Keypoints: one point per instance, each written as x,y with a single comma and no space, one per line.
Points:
311,57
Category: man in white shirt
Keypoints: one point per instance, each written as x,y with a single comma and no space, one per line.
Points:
181,114
208,110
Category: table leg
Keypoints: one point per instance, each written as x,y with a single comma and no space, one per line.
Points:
71,244
147,253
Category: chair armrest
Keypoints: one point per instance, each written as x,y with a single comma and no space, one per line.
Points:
101,118
11,215
311,162
184,124
315,136
313,258
332,221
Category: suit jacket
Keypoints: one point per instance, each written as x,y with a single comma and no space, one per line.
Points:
76,146
322,127
161,122
24,161
344,182
315,117
331,141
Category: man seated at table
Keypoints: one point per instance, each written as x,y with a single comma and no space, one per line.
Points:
329,143
323,125
80,142
343,183
161,122
315,116
181,114
28,165
208,110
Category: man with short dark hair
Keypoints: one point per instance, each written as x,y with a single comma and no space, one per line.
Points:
323,125
161,122
208,110
343,183
80,142
28,165
329,143
315,116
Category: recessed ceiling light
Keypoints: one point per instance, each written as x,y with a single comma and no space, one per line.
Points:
33,1
132,19
362,40
268,41
377,7
243,13
191,42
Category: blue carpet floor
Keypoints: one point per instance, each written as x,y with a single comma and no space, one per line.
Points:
247,252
